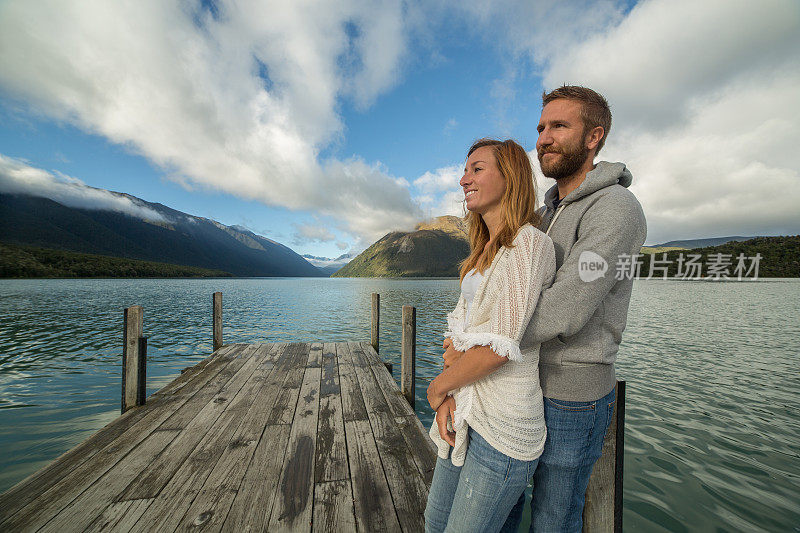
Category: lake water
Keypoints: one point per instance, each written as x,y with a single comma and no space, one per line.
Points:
713,369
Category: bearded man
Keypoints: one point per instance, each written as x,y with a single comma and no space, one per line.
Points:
597,225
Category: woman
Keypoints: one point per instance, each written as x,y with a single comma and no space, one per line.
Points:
490,431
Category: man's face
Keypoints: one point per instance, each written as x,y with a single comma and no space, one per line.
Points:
561,146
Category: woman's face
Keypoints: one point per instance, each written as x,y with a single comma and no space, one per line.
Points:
483,183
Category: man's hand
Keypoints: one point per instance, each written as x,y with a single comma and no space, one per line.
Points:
447,409
451,355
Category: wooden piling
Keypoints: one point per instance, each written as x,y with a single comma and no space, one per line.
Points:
408,363
376,321
603,509
133,359
216,303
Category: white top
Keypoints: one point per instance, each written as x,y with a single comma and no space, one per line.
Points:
469,286
506,406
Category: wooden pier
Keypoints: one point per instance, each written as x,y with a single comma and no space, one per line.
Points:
264,437
257,437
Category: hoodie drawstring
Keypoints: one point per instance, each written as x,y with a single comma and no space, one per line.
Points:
558,212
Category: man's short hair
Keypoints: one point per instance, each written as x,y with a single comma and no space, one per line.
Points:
594,108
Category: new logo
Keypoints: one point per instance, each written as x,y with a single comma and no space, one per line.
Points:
591,266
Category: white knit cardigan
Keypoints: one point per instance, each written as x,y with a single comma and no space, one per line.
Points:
505,407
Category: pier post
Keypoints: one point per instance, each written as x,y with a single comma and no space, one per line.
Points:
376,321
216,302
134,359
408,358
603,509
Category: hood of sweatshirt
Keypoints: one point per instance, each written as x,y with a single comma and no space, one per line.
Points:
603,175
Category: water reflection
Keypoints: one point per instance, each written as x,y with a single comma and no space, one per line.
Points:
712,430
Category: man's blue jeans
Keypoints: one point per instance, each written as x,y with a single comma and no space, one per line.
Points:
575,432
478,496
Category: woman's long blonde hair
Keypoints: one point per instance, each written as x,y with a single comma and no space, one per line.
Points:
518,204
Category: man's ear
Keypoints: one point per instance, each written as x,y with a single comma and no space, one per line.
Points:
594,137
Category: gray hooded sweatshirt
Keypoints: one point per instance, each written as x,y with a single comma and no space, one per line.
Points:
580,318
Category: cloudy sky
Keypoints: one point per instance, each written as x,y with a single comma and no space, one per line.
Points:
325,124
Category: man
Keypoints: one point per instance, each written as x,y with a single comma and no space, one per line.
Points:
597,225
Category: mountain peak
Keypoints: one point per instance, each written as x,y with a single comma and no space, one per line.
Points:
448,223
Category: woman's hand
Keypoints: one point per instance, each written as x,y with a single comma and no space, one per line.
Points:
451,355
435,396
447,409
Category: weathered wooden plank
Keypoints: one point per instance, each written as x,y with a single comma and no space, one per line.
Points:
352,400
330,371
409,492
150,484
331,453
333,507
372,357
295,357
189,374
103,492
93,501
253,503
422,448
293,507
202,393
58,485
394,397
210,508
315,355
357,356
407,487
374,399
168,509
119,516
373,506
34,485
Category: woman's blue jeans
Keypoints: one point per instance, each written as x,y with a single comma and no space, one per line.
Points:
479,495
575,432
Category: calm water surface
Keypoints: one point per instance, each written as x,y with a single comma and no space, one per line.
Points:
713,369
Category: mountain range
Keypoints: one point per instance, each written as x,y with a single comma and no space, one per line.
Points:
155,233
700,243
165,236
327,265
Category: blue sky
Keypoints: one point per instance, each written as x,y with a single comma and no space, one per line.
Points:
325,125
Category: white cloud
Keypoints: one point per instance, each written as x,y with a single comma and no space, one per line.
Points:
539,29
306,233
667,53
705,103
243,102
17,177
439,193
441,179
704,119
450,203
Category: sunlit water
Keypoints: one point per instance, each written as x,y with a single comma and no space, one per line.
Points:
713,369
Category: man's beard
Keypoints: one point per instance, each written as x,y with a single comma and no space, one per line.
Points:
569,163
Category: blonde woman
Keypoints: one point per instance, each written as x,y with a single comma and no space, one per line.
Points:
489,426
